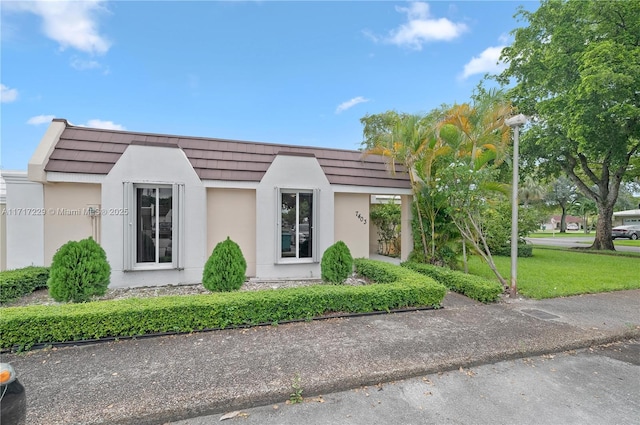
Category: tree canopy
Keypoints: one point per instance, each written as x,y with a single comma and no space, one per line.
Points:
576,69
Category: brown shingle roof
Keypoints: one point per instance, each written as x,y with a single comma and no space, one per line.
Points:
95,151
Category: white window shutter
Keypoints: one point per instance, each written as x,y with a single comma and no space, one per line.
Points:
178,219
278,223
129,226
316,225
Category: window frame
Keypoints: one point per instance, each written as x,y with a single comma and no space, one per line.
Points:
313,228
131,222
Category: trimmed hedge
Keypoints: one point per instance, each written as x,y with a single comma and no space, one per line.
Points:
23,327
475,287
524,251
20,282
377,271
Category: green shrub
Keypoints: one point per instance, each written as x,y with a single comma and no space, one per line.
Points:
225,269
475,287
497,224
337,263
524,250
386,218
20,282
22,327
79,271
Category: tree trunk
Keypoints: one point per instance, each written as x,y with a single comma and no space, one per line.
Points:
425,247
563,219
603,229
464,256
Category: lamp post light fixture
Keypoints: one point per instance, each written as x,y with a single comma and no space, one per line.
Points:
515,123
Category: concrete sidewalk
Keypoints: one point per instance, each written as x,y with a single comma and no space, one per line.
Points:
156,380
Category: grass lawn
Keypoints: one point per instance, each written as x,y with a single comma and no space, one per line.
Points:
556,273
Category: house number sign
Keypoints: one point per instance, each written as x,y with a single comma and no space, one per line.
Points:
361,218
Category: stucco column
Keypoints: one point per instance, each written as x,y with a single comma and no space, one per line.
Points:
405,223
25,221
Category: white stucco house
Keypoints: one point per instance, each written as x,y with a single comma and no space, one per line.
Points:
626,217
158,204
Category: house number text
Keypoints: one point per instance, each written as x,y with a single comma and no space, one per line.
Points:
361,218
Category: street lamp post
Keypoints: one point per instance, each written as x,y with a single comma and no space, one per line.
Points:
515,123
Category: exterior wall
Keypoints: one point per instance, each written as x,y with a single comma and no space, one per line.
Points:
232,213
24,221
291,172
67,217
349,228
373,238
158,165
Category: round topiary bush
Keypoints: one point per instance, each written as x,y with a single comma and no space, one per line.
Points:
79,271
225,269
337,263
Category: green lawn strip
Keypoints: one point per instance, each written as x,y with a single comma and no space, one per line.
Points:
589,251
556,273
575,234
626,242
23,327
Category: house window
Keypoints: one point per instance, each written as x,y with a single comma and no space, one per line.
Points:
297,230
154,229
153,224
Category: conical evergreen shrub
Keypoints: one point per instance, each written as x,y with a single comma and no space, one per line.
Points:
225,269
79,271
337,263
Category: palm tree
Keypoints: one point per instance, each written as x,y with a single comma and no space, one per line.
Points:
480,138
404,139
530,190
483,135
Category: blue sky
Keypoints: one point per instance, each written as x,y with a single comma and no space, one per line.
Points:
297,72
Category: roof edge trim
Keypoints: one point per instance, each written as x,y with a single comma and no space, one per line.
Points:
39,159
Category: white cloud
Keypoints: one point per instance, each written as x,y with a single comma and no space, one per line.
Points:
370,35
71,24
105,125
350,103
421,27
7,95
40,119
83,64
504,38
487,62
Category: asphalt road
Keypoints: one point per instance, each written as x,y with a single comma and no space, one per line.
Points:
577,241
595,385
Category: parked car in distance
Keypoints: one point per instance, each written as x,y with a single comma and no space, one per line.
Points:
630,231
573,226
13,401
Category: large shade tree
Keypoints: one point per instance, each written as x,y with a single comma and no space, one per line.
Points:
562,193
576,70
